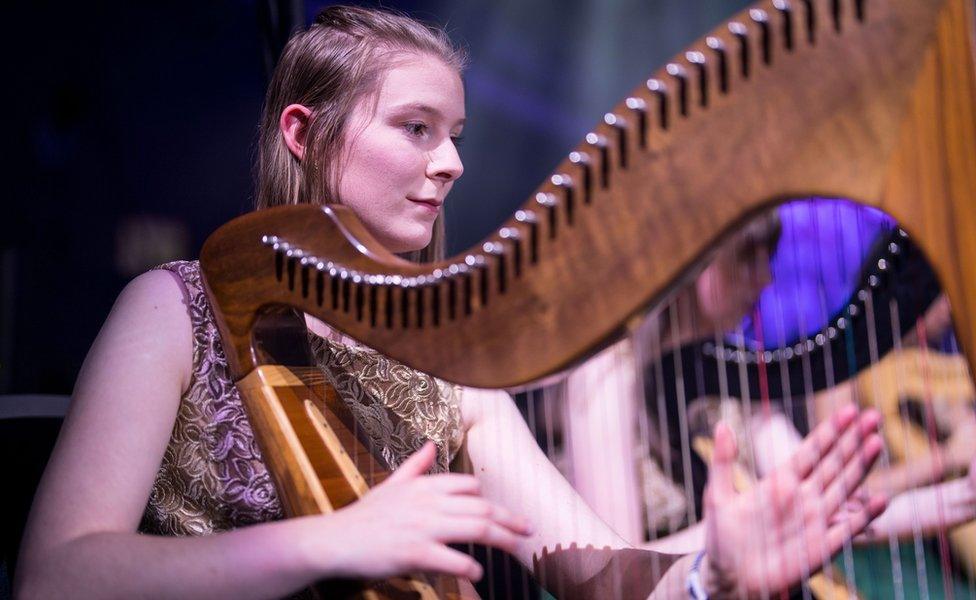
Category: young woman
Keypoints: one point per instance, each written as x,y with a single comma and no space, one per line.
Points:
363,109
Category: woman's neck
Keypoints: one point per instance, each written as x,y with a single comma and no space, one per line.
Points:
319,328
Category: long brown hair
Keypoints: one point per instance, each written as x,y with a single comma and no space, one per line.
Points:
329,67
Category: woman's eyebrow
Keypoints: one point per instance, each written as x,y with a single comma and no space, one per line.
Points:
424,108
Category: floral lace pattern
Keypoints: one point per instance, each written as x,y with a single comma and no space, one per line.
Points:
397,407
212,477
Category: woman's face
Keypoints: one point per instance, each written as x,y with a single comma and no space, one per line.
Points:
400,158
729,288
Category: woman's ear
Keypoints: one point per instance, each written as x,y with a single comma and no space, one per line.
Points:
294,127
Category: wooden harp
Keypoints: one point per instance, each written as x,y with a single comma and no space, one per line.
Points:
873,100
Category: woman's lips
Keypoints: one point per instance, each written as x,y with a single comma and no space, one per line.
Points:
431,204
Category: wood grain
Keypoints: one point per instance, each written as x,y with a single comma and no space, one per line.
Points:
881,111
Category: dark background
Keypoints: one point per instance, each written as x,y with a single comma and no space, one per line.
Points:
132,130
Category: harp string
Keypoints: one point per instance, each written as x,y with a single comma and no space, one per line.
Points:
623,424
789,407
644,444
517,577
921,570
847,554
934,482
935,449
656,350
848,335
543,429
490,562
841,269
820,290
530,413
884,462
763,382
808,384
829,374
547,420
894,548
682,405
969,571
928,424
745,271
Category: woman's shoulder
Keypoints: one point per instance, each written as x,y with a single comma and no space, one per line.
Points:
162,293
186,273
159,292
478,405
151,315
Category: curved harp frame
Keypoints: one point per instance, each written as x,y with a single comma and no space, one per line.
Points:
873,100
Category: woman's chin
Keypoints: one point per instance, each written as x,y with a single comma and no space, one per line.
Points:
408,243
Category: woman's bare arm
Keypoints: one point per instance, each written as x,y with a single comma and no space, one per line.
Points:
81,538
924,511
808,489
514,472
601,415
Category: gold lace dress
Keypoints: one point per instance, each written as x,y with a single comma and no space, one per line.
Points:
212,477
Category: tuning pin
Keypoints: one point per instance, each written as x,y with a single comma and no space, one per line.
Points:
718,48
680,76
550,203
512,236
599,142
660,90
583,160
761,19
497,251
620,127
529,219
742,35
565,183
639,108
786,12
697,59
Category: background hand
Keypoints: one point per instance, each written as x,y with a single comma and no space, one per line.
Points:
786,527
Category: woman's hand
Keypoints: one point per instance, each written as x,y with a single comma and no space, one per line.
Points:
785,528
960,448
405,524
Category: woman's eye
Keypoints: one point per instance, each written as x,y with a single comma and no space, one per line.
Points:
416,129
458,140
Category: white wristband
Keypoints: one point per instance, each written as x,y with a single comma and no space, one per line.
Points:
694,585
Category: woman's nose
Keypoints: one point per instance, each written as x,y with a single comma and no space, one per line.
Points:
444,162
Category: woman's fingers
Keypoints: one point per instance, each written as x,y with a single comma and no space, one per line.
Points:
448,508
839,533
419,463
455,530
468,506
454,483
855,469
820,441
847,445
720,475
442,559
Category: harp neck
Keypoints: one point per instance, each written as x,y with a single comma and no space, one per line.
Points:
869,100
